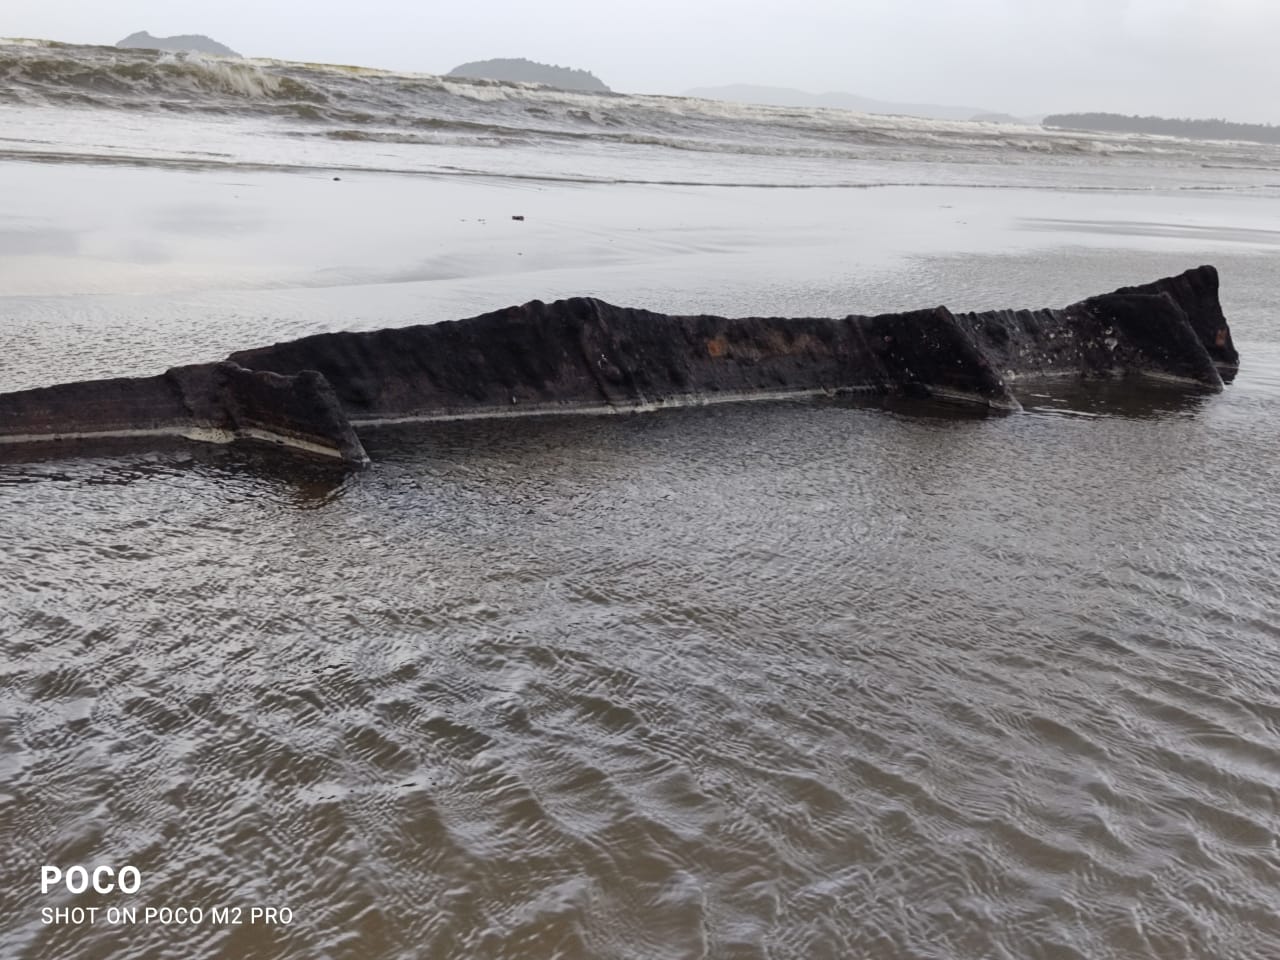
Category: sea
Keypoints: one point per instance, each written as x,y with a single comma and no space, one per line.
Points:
784,680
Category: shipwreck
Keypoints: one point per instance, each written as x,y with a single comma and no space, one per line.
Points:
315,394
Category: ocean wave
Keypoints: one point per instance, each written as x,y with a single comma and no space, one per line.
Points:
365,105
104,76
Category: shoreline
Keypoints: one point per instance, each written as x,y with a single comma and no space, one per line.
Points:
122,271
182,229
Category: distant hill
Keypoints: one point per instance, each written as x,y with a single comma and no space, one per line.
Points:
1164,126
787,97
195,42
997,118
527,71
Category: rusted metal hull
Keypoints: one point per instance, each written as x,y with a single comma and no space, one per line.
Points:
313,395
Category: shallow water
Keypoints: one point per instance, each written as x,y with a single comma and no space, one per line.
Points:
765,680
769,680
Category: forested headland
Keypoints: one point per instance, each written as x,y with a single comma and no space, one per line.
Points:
1165,126
528,71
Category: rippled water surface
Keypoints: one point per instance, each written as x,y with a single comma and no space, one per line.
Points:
785,680
780,680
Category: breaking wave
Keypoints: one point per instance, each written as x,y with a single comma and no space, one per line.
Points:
32,72
318,107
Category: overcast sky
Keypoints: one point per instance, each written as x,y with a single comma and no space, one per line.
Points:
1172,57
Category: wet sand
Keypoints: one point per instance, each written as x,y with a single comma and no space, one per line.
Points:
111,270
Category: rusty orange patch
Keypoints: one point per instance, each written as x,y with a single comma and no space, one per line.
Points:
717,347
